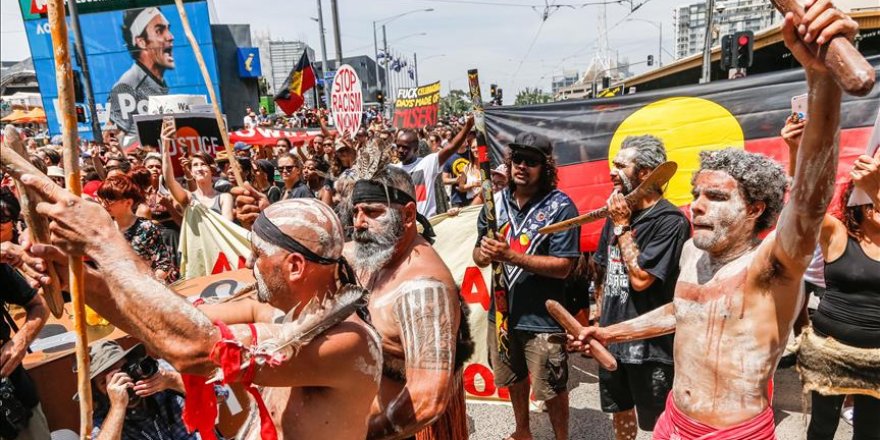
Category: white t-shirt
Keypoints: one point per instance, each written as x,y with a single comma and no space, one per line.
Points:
424,171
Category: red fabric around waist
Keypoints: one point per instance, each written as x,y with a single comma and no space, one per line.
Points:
675,425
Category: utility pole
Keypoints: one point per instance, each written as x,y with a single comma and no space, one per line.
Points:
87,78
376,54
387,64
707,50
323,58
416,67
336,34
660,47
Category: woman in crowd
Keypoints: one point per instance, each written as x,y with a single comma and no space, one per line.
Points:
160,205
10,210
343,159
120,196
840,354
469,181
201,167
264,180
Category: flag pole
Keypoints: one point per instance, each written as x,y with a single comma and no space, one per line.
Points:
67,116
233,162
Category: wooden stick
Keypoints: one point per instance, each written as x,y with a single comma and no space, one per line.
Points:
38,225
233,162
850,69
573,327
658,177
67,112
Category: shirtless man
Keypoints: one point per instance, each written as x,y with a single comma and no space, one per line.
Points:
415,306
325,390
737,296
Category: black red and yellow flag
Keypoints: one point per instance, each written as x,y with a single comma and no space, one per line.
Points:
300,80
745,113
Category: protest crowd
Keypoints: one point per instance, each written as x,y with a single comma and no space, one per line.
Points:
695,309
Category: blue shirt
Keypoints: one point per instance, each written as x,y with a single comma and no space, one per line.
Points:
160,419
529,292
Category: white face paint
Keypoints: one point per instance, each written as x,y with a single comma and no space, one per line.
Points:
718,211
264,295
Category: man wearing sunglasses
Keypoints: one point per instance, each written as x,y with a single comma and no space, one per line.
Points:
535,267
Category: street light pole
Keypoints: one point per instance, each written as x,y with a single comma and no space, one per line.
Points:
376,55
323,57
336,33
416,68
707,50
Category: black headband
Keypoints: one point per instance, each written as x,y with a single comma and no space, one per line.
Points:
369,191
267,231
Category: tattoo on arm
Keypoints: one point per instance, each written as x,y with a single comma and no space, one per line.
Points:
425,313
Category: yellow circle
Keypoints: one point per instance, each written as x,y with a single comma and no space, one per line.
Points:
524,240
686,126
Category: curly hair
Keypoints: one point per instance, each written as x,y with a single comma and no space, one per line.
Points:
650,152
759,179
852,216
546,182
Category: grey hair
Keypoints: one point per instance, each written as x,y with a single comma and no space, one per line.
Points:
268,249
396,177
650,152
759,178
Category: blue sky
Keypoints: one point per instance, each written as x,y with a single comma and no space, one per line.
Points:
492,35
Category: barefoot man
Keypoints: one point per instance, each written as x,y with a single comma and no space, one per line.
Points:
416,308
322,390
737,296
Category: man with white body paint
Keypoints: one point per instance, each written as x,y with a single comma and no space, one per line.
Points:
737,297
415,306
323,390
149,40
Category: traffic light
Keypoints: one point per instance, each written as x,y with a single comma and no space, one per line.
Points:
499,96
606,82
78,94
80,114
743,55
380,97
650,60
493,90
726,52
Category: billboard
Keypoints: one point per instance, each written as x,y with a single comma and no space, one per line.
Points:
417,107
135,50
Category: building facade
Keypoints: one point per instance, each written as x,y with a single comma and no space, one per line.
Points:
568,78
730,16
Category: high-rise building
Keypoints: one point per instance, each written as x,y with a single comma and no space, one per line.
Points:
567,78
730,16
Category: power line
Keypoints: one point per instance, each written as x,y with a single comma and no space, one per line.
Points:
523,5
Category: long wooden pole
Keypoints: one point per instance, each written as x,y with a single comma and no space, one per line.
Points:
38,225
236,168
67,116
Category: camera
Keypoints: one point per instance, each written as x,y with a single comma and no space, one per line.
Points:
139,366
14,415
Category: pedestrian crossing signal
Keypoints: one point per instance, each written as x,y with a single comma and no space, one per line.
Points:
80,114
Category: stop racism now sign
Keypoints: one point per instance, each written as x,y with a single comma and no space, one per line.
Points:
346,100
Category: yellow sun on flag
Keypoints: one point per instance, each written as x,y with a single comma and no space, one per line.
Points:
686,126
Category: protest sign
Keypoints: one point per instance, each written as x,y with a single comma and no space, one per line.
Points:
196,132
417,107
347,100
163,104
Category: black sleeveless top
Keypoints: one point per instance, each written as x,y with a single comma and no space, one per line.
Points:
850,309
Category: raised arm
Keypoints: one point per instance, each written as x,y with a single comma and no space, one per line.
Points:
801,219
446,152
178,192
429,323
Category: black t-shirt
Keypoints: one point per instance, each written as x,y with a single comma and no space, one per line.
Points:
300,190
456,165
659,232
529,293
15,290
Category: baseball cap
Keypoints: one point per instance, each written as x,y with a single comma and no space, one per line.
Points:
239,146
528,140
91,188
500,169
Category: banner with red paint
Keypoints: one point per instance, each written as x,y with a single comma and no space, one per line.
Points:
210,244
746,113
259,136
417,107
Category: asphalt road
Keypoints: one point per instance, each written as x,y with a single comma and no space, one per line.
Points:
494,421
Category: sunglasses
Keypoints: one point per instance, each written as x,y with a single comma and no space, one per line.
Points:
286,168
529,161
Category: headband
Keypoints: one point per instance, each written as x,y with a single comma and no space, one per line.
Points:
141,21
267,231
370,191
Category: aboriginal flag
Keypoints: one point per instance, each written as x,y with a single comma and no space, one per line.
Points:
300,80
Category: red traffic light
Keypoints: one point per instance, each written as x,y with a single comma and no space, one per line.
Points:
743,40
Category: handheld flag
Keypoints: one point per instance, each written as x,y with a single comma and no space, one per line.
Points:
300,80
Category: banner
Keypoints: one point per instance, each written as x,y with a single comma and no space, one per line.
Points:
124,75
210,244
745,113
269,136
347,100
417,107
196,132
456,237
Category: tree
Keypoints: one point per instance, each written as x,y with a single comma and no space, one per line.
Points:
532,96
455,103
